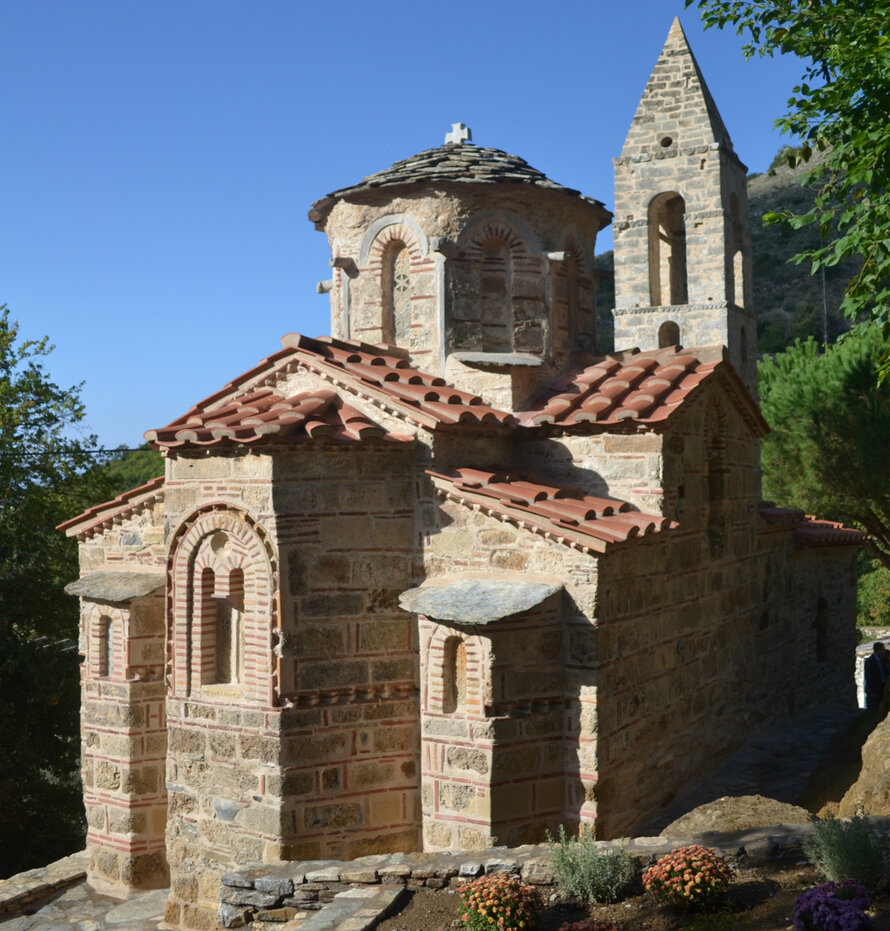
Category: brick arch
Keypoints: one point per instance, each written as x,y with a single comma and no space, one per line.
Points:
574,290
393,226
98,630
388,310
478,663
574,243
222,539
497,224
499,282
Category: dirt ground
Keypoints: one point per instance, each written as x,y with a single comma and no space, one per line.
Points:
758,900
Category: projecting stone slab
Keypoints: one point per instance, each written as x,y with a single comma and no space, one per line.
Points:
476,601
498,359
116,586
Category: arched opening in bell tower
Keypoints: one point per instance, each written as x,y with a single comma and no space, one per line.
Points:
667,249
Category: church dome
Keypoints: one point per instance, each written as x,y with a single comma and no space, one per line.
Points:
450,163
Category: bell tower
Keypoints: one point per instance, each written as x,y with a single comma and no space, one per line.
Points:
682,246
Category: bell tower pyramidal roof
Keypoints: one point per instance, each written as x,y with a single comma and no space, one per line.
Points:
676,110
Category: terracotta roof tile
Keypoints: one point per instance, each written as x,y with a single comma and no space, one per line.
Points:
250,407
566,515
644,387
811,531
263,414
106,514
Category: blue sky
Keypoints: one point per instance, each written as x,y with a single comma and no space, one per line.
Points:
159,157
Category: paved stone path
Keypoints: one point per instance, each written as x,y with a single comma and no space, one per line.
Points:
777,764
82,909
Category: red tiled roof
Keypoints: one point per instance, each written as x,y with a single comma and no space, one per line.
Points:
380,374
104,515
641,387
811,531
265,414
566,515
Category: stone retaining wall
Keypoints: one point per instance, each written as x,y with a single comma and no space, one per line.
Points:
22,892
266,896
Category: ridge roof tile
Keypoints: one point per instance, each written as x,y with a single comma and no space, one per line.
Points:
106,513
646,387
808,530
250,408
567,515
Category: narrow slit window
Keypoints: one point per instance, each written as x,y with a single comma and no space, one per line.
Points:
396,322
495,298
229,609
106,647
454,697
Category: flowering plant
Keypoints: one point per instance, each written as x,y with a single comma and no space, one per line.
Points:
688,876
588,924
498,901
833,907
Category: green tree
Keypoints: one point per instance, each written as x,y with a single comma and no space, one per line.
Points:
125,469
829,449
42,466
841,109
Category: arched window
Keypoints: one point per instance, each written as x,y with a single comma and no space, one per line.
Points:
667,249
223,573
106,665
454,694
668,334
821,625
204,630
494,296
396,288
738,261
717,490
229,607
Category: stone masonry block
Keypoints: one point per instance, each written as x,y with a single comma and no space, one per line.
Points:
345,814
343,604
467,759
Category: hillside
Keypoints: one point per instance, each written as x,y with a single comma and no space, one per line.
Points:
788,300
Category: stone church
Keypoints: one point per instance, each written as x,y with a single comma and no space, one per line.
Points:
450,577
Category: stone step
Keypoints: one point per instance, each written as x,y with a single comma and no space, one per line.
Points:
357,909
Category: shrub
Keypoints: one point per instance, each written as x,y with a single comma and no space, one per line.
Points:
873,596
499,900
689,877
587,874
833,907
589,924
851,849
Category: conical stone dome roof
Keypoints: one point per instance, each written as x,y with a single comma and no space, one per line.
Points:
451,163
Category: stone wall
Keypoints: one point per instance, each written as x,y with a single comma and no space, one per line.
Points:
702,655
513,757
124,747
494,754
123,719
449,281
315,752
